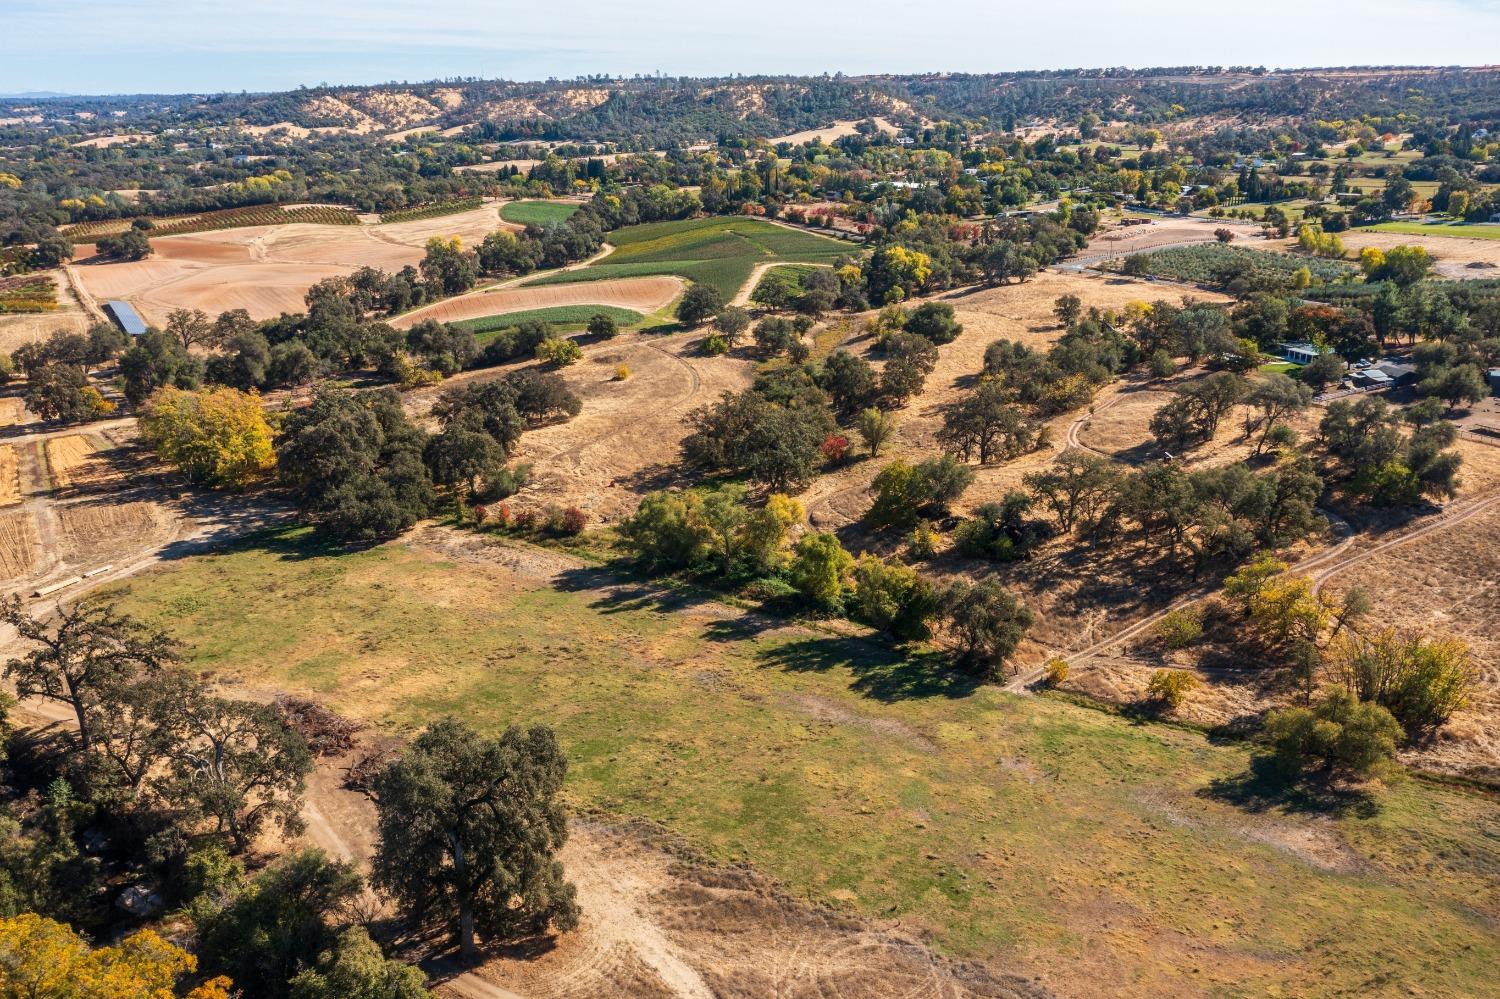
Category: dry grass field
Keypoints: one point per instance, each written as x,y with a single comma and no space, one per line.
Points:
1447,583
627,439
10,478
1013,312
12,412
1455,256
267,270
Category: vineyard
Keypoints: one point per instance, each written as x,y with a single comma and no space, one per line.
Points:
715,251
229,218
1210,263
433,211
30,293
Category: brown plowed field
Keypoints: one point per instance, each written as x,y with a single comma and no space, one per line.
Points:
17,543
641,294
267,270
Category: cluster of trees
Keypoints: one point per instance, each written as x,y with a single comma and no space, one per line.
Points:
171,784
1387,457
159,767
1389,685
771,433
359,469
722,536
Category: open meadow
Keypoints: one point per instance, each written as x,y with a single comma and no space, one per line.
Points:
1034,836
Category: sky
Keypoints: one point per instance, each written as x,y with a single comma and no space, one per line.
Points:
174,46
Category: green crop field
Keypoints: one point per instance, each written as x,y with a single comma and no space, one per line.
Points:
1464,231
1057,840
566,318
1202,262
538,212
721,252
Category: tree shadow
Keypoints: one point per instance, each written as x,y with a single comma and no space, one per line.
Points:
882,674
1263,788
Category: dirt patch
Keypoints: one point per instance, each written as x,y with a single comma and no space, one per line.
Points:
639,294
837,130
73,461
267,270
826,711
1123,240
103,531
655,925
18,544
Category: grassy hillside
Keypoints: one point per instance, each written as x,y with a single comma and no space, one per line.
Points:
1056,840
718,251
538,212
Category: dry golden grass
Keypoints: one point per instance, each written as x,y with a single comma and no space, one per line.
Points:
10,478
18,543
12,411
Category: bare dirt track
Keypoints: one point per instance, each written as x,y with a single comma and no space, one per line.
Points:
267,270
639,294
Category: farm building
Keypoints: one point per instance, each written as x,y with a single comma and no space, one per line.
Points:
125,317
1389,374
1494,380
1302,353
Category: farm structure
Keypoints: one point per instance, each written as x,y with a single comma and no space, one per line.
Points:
124,316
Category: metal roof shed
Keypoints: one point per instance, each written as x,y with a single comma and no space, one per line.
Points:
125,317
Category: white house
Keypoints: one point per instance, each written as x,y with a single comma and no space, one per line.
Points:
1303,353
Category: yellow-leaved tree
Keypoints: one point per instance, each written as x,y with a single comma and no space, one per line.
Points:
44,959
218,437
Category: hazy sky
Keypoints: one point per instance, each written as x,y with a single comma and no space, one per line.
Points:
112,46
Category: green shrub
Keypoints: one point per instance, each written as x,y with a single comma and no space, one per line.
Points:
893,598
1179,629
559,351
1339,735
819,569
1169,687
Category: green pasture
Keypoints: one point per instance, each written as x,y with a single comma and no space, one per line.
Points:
1048,838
